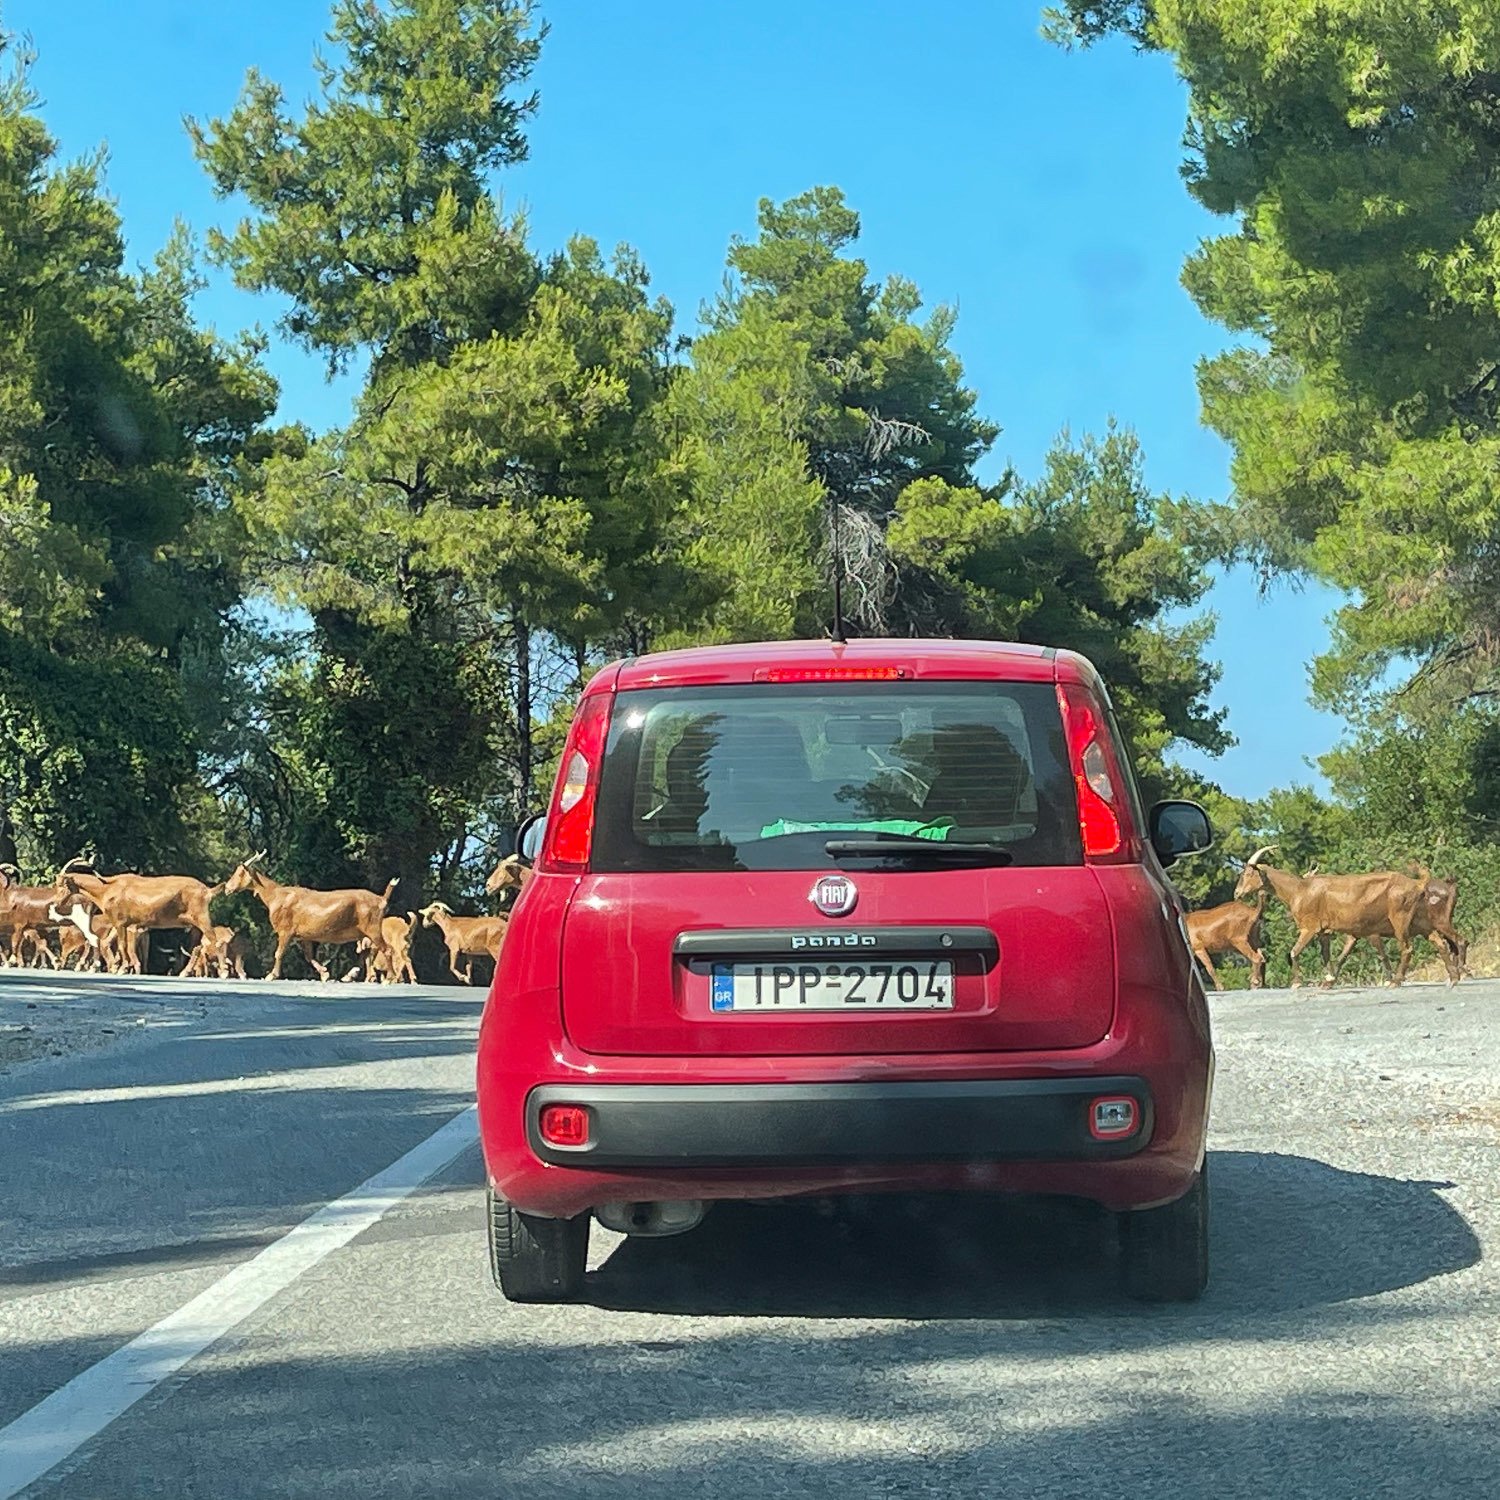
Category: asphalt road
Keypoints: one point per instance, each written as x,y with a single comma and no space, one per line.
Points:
1347,1347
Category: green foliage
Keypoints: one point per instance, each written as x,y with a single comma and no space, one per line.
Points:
95,754
373,213
530,482
1085,557
498,505
1355,143
122,427
813,389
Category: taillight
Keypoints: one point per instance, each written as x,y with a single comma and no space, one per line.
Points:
570,825
1103,819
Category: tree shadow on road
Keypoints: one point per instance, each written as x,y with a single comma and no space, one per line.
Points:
1288,1233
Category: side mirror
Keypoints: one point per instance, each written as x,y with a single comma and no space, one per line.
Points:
1179,828
529,837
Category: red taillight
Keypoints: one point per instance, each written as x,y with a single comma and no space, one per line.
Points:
829,674
1102,818
563,1125
570,825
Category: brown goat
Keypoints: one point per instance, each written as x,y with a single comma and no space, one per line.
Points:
1230,928
395,967
133,904
509,875
1433,920
1354,905
23,914
474,937
85,938
308,917
226,951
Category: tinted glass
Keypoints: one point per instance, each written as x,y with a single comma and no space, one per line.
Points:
762,777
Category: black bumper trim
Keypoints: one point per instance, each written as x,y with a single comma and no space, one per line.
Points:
812,1124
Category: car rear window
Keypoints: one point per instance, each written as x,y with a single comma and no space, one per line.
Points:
761,777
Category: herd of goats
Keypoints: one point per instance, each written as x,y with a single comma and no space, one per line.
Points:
1375,907
100,922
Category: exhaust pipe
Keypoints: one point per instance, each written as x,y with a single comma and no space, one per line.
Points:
652,1220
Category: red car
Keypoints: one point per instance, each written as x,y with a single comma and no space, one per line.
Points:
812,918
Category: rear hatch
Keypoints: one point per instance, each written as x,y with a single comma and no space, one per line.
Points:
845,867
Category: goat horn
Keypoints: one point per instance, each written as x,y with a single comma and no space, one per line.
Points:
1259,855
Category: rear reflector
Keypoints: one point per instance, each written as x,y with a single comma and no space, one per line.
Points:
829,674
1113,1117
564,1125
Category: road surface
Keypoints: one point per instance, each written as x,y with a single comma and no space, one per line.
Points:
162,1334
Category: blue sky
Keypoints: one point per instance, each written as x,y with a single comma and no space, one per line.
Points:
1037,191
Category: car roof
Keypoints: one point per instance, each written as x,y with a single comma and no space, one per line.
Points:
1007,661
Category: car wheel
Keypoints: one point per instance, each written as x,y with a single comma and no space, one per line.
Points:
1164,1251
532,1259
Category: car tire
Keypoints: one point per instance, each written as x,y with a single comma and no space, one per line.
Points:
532,1259
1164,1251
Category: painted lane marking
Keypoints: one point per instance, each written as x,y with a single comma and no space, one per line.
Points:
60,1424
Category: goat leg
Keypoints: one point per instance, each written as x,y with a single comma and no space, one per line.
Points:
310,953
1343,958
1257,961
1401,928
1201,954
1378,944
1323,948
1303,939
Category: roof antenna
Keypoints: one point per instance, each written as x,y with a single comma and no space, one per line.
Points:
838,636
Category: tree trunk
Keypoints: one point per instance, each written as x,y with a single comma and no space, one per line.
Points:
8,855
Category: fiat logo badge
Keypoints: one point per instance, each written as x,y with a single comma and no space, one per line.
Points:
834,895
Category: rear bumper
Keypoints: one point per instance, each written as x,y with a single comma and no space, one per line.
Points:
692,1126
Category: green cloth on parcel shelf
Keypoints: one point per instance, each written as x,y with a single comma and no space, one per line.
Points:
938,830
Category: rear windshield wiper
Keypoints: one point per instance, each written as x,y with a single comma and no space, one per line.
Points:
904,846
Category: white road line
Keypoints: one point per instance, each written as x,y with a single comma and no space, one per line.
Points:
61,1423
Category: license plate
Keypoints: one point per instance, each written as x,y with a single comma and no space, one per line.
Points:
766,987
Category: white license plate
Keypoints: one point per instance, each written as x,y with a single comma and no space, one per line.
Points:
926,984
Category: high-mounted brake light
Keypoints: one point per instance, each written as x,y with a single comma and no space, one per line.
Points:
829,674
570,826
1102,816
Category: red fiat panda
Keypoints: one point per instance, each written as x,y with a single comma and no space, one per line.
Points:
812,918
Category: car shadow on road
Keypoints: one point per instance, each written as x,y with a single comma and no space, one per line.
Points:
1288,1233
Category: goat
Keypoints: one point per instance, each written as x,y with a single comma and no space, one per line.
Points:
85,938
135,904
309,917
509,875
474,937
225,950
23,914
395,967
398,934
1354,905
1433,920
1230,928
